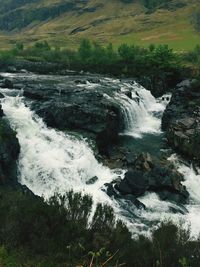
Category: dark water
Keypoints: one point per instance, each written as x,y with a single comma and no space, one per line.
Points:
151,143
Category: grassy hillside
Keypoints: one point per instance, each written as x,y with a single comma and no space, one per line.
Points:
64,23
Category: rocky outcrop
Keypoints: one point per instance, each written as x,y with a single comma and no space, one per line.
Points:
9,152
149,174
181,119
74,103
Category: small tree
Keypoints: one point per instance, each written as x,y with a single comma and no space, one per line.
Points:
19,46
196,21
85,51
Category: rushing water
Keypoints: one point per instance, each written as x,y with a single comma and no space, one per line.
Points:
52,161
139,111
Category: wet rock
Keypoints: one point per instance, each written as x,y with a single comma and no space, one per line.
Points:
92,180
128,198
94,80
129,94
159,177
178,209
181,119
9,152
7,84
80,81
167,182
78,109
1,111
134,183
143,162
135,201
110,190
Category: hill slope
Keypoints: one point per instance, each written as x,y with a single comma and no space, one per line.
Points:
65,22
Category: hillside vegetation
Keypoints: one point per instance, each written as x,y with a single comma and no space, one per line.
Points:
64,23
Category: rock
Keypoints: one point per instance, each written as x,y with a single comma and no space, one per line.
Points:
129,94
80,81
92,180
9,152
143,162
181,120
1,111
173,197
12,69
129,199
74,108
160,177
135,202
94,80
7,84
167,183
1,95
110,190
134,183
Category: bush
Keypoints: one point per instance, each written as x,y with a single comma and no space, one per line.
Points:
60,232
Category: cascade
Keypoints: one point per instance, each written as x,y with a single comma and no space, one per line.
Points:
140,111
52,161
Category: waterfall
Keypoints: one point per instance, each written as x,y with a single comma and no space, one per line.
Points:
140,111
52,161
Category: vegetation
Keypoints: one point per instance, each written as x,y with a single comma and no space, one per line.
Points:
158,68
196,20
118,21
193,58
155,3
60,233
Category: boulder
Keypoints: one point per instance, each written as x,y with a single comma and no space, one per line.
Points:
1,96
161,178
134,183
92,180
143,162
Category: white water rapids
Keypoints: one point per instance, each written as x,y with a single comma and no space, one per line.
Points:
139,111
52,161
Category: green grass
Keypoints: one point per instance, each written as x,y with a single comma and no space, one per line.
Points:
183,39
130,25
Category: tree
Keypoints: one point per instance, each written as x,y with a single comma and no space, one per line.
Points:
19,46
85,51
196,21
42,46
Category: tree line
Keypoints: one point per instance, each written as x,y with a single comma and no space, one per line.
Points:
157,67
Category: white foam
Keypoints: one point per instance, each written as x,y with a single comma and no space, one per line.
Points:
140,111
52,161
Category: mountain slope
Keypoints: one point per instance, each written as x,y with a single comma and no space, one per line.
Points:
65,22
